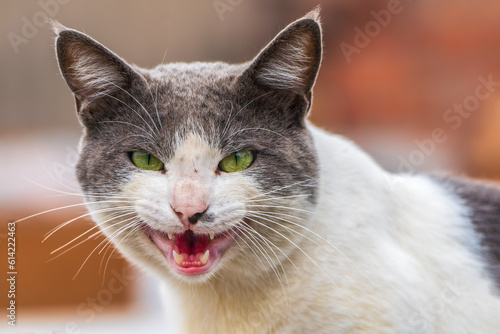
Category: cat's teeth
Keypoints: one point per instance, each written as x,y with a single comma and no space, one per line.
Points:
204,257
178,257
170,235
212,235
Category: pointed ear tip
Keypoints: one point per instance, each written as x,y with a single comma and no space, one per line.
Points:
314,14
58,27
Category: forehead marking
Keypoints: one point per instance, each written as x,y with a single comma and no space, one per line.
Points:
195,152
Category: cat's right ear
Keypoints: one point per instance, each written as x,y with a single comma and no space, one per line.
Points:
290,62
90,69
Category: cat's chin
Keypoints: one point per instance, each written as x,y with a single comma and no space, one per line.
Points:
191,253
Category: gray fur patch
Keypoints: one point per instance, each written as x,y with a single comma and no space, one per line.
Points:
133,109
483,199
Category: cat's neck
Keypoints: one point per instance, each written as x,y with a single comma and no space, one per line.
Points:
242,303
259,303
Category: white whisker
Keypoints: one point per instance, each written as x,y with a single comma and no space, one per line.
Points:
143,108
303,252
111,236
267,258
278,189
87,231
229,123
134,229
279,207
54,230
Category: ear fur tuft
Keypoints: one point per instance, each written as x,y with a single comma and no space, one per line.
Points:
291,60
90,69
57,27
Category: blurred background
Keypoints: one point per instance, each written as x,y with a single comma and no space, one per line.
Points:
414,83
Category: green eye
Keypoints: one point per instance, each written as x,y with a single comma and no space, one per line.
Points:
237,161
146,161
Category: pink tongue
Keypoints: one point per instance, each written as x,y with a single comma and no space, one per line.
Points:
189,243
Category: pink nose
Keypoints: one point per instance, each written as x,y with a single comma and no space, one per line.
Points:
190,214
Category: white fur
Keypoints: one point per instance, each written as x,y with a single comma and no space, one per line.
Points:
398,265
290,69
388,254
409,238
151,195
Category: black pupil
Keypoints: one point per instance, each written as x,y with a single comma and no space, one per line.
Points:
149,159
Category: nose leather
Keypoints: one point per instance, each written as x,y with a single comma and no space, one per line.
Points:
190,214
189,202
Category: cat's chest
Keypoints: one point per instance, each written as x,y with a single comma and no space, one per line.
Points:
281,309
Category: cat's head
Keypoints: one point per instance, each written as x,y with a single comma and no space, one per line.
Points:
200,168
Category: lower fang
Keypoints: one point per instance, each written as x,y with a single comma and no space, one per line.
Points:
178,257
204,257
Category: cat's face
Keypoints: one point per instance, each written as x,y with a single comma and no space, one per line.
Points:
203,168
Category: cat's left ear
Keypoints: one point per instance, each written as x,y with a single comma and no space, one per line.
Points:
290,62
92,72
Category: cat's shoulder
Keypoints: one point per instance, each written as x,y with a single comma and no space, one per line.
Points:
340,154
483,202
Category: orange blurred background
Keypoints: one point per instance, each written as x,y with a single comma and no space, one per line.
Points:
394,75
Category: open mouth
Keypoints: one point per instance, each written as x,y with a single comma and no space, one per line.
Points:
192,253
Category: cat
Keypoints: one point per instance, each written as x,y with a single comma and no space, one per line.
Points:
210,176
